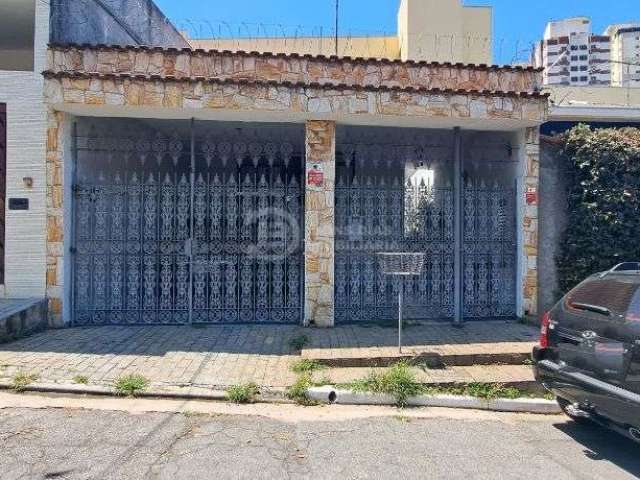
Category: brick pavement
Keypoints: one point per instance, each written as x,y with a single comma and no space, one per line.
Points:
218,356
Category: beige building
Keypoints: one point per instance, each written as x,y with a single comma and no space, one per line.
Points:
428,30
625,54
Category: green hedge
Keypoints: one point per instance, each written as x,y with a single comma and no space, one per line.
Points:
603,193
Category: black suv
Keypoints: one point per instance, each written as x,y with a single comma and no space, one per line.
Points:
589,353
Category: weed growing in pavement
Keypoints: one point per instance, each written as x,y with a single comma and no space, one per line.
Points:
245,393
488,391
398,380
21,380
402,418
131,385
326,380
298,343
299,391
82,379
306,366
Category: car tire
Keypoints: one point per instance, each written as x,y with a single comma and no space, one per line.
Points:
566,407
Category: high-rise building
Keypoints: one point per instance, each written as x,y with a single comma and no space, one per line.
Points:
625,54
572,55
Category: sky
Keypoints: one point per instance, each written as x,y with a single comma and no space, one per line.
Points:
517,23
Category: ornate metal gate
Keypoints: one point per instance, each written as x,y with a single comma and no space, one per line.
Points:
380,207
177,224
489,257
398,196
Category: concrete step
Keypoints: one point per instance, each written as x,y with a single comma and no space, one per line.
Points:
519,376
22,317
468,354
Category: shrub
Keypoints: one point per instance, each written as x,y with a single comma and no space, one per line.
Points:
603,200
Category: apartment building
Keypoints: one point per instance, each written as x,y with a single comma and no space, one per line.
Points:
625,54
572,55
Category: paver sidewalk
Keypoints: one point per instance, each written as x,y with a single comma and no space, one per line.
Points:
219,356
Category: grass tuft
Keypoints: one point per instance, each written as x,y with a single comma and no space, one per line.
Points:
397,380
306,366
81,379
487,391
245,393
298,343
298,392
131,385
21,380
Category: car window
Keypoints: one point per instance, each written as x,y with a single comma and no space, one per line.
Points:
606,296
633,312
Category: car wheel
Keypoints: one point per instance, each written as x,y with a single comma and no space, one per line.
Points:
570,411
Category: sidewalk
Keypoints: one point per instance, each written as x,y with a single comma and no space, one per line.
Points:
219,356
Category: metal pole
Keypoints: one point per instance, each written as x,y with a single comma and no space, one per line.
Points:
400,316
458,187
192,177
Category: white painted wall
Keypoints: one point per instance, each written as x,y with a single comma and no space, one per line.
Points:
26,134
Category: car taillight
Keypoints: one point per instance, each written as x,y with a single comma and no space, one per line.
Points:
544,330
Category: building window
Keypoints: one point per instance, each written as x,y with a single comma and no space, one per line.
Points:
574,57
583,47
574,47
574,79
584,79
17,28
583,57
574,69
583,68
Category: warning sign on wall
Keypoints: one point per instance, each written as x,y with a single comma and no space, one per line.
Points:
315,176
531,196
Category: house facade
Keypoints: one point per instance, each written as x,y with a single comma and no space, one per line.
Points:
192,186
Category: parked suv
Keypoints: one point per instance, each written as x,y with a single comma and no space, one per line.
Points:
589,352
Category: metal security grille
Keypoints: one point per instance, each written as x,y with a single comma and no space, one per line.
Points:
177,223
394,193
489,257
379,209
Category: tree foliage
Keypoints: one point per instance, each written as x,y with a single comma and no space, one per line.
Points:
603,190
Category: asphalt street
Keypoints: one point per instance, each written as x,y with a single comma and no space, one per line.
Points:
61,443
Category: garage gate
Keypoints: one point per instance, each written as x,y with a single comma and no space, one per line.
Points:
187,222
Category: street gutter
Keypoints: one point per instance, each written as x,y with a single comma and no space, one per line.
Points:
332,395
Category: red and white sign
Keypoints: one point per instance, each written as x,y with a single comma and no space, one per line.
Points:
315,176
531,196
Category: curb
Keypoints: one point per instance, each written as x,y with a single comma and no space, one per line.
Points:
433,359
332,395
174,393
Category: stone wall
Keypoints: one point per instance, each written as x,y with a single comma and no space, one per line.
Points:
320,223
55,224
530,221
276,98
295,69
